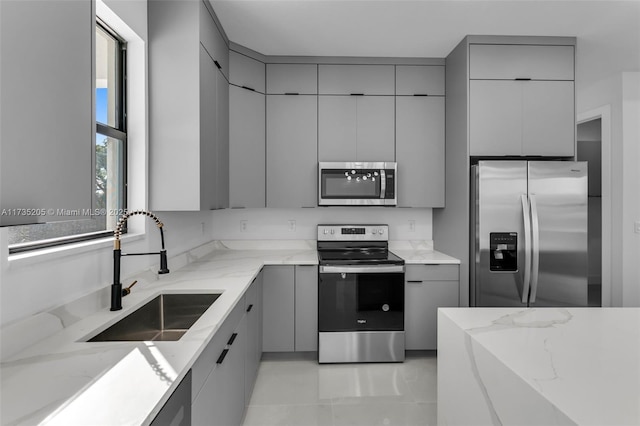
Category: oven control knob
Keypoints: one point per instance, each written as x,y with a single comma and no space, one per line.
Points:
326,231
385,307
380,231
333,231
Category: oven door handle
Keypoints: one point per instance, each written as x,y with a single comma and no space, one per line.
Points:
374,269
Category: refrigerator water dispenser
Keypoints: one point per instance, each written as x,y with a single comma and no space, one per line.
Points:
504,251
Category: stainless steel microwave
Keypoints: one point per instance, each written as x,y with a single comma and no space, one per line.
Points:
357,184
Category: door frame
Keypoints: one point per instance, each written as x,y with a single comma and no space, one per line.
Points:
604,114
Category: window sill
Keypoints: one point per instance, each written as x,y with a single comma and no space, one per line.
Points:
52,253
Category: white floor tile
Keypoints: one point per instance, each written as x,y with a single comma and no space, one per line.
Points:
302,392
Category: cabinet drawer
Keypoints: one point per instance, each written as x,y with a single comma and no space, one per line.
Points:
419,80
356,79
431,273
508,62
212,40
207,359
246,72
301,79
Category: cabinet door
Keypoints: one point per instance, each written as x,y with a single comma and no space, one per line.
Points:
221,400
306,308
375,128
337,128
212,40
427,288
278,317
292,151
420,80
208,132
495,117
177,410
420,151
253,351
246,148
507,62
301,79
222,141
359,79
548,115
246,72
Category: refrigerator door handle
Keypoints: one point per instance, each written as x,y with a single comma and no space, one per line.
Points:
535,232
527,248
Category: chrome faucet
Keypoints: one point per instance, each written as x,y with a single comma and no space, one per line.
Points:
116,288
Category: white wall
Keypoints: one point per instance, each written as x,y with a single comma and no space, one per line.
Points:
263,224
36,282
631,188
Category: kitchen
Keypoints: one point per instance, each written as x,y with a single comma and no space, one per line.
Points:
606,59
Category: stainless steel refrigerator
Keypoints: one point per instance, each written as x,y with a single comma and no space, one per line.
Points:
528,233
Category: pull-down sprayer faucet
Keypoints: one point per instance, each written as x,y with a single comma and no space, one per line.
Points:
116,288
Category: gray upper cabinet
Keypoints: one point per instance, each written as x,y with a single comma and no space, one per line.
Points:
419,80
356,128
508,117
420,151
521,100
356,79
46,97
299,79
212,39
184,84
247,148
292,150
512,61
246,72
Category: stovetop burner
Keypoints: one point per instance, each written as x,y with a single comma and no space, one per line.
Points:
355,245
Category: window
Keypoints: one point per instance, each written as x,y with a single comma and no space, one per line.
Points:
109,200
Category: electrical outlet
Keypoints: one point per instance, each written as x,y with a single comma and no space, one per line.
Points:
244,224
412,226
292,225
637,227
202,227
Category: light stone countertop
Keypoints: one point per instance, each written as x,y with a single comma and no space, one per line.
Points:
61,379
539,366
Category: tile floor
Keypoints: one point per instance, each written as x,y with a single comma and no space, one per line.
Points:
301,392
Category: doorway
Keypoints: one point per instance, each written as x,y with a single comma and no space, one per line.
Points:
589,136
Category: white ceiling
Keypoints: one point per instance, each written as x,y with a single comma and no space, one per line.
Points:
427,28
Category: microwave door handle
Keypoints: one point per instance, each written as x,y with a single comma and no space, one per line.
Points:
383,184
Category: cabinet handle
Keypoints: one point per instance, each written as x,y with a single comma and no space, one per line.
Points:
415,281
357,94
291,93
420,94
232,339
249,88
222,356
250,308
217,64
522,79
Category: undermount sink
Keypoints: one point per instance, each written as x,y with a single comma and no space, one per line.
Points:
165,318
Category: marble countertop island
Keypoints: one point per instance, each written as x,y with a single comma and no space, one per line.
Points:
51,375
539,366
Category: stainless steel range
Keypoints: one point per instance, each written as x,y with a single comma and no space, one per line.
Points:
360,295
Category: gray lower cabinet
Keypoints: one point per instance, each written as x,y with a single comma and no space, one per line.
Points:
218,396
306,308
420,150
427,288
177,410
356,128
278,316
292,144
253,313
247,148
